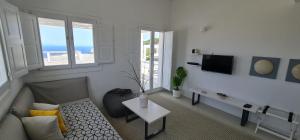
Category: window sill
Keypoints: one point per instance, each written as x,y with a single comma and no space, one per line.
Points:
69,67
56,71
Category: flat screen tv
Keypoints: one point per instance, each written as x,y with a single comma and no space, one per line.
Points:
217,63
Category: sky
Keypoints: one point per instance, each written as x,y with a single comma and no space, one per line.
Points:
56,36
147,35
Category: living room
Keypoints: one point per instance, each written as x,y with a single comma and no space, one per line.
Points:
147,41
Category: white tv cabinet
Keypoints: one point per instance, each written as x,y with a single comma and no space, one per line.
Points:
227,100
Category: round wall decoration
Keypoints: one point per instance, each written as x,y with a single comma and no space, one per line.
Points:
296,71
263,67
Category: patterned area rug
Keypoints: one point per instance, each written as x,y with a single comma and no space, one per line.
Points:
182,124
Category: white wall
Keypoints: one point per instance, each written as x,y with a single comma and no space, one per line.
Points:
243,28
127,15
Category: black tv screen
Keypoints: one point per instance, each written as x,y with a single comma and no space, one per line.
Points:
217,63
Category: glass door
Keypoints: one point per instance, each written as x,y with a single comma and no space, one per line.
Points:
151,59
145,58
157,59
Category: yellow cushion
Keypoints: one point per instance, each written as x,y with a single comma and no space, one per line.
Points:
61,123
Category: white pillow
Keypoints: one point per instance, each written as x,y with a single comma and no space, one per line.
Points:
44,106
42,128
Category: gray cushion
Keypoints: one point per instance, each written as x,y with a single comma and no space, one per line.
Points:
11,128
60,91
23,103
42,128
6,99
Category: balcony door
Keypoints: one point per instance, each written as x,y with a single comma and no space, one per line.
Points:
151,59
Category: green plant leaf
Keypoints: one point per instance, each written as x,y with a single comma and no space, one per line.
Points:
179,77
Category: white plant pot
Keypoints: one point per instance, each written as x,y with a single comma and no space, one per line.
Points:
143,98
176,93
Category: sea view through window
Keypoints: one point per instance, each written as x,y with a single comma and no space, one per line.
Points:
55,46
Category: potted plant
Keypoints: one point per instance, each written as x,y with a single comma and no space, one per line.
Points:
177,81
133,75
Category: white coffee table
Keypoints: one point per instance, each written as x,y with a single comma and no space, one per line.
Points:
150,114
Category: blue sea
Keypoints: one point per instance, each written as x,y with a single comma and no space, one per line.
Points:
82,49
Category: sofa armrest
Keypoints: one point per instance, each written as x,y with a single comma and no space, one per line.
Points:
11,128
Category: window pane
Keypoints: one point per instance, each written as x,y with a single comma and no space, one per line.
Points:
83,43
145,59
157,64
3,74
54,43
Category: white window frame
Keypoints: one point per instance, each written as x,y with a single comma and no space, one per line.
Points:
69,40
95,39
152,37
5,84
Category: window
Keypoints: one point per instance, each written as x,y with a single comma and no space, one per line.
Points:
68,41
83,43
54,42
3,74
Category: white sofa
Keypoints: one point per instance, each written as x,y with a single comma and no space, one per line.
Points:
82,117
